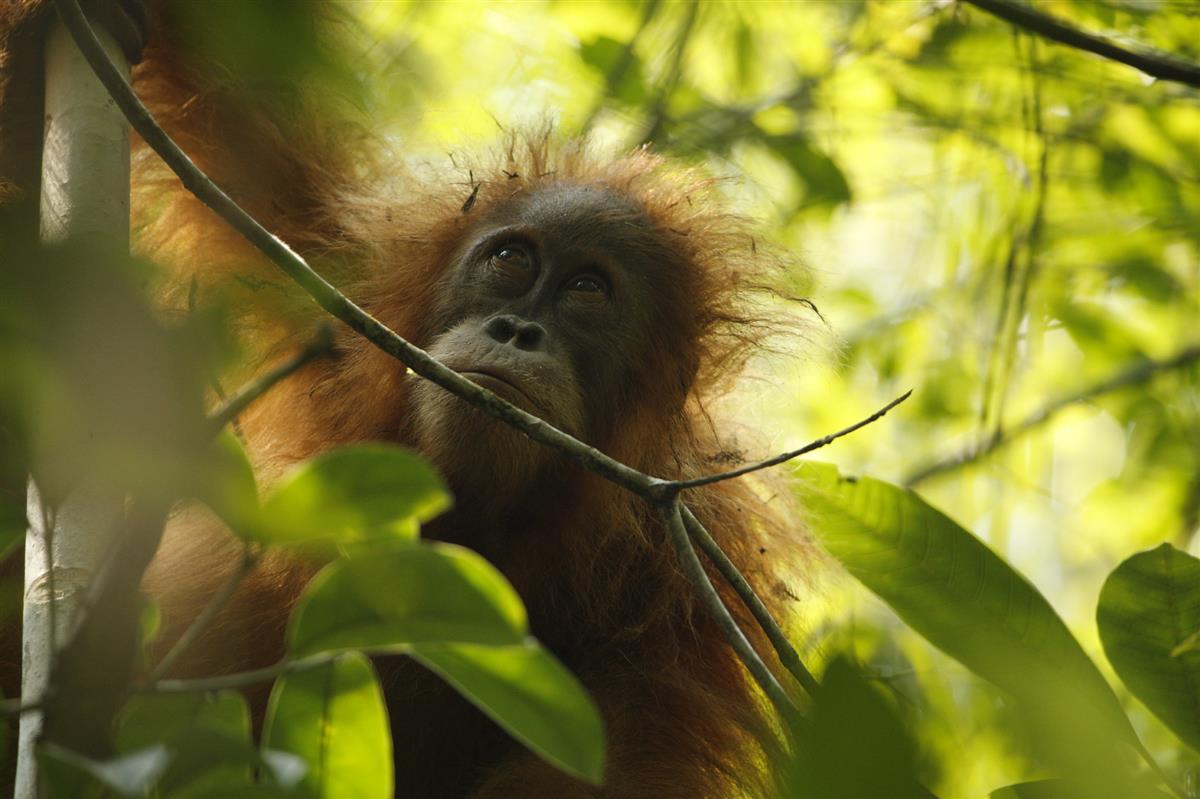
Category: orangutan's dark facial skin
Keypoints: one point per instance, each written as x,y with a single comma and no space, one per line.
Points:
547,303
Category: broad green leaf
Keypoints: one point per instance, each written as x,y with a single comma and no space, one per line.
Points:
424,593
1149,608
335,719
530,694
350,494
949,587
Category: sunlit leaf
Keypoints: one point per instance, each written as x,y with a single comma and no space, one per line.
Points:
335,719
960,596
354,493
1095,330
1149,606
387,600
529,693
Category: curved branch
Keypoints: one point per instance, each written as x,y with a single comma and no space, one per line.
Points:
1156,64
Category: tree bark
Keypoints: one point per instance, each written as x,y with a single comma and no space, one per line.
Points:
84,197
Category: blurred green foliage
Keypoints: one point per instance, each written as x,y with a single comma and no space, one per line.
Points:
993,220
998,222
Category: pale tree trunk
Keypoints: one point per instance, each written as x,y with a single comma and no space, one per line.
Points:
84,196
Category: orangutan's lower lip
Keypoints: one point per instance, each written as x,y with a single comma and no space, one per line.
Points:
492,382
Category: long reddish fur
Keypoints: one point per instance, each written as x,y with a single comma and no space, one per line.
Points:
683,718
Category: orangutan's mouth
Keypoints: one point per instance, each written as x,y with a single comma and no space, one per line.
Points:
504,386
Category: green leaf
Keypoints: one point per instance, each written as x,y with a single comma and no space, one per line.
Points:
227,484
936,49
856,744
69,774
1066,789
1149,608
823,178
530,694
1036,789
390,599
355,493
949,587
207,759
334,717
151,719
207,734
604,54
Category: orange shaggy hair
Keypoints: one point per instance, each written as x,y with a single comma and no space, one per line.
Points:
682,714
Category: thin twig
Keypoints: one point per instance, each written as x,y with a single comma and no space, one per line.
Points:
1153,63
824,441
783,647
242,679
321,344
673,519
1139,373
208,615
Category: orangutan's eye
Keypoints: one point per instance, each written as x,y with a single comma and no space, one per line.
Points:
588,283
511,256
